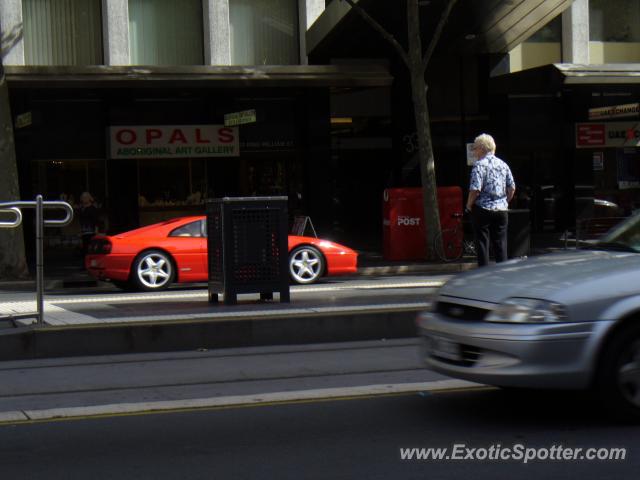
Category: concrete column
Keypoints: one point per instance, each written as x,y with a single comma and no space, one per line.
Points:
217,32
308,11
575,33
115,32
11,29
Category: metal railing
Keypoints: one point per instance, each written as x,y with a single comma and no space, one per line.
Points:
40,205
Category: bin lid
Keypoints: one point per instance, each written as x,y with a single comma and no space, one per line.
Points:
248,199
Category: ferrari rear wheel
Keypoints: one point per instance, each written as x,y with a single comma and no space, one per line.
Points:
306,264
152,270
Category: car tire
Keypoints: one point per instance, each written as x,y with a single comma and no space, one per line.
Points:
152,270
618,376
306,265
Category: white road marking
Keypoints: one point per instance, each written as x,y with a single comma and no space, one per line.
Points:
236,400
111,298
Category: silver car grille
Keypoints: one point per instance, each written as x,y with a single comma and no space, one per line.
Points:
461,312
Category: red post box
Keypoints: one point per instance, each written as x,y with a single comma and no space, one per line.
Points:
403,226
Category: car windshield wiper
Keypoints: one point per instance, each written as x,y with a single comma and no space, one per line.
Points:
616,246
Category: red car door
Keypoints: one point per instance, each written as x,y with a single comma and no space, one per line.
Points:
190,252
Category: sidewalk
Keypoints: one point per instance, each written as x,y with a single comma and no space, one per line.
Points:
66,271
109,321
63,272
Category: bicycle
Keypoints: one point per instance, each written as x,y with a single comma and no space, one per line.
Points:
456,241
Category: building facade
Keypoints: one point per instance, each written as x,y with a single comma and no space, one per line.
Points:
154,106
556,82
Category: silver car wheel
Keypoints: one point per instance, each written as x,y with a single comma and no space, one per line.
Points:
154,270
305,265
629,376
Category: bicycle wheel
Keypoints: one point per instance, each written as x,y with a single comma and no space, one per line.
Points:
469,248
451,241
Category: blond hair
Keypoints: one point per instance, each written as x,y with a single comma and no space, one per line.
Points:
485,142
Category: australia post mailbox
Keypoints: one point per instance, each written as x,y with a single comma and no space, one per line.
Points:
403,224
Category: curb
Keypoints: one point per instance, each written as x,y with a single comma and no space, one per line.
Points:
236,401
183,334
427,269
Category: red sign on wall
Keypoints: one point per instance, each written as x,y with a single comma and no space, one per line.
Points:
590,135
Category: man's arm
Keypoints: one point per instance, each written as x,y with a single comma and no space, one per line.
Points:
471,199
510,193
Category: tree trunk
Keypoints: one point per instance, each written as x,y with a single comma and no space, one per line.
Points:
423,130
13,264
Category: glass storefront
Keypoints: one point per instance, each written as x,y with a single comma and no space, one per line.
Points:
171,187
66,180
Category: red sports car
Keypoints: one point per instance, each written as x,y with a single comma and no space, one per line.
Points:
153,257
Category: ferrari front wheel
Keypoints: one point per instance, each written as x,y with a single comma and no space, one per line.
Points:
306,264
152,270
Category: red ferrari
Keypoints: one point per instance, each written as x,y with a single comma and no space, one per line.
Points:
153,257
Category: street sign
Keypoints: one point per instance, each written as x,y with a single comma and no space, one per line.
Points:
471,156
240,118
24,120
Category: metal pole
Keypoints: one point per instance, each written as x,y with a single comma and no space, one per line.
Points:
39,260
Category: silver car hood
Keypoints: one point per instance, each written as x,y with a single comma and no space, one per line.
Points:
560,276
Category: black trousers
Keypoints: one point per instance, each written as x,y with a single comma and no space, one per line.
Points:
490,228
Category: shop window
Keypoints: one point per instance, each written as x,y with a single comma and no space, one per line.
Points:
264,32
66,180
171,182
166,32
62,32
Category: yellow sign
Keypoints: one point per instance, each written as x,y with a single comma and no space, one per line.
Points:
239,118
24,120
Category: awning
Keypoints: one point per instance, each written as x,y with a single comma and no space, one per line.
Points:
474,26
374,75
554,77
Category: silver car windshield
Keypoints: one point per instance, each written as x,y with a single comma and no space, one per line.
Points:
625,236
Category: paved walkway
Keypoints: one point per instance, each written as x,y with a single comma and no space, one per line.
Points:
358,296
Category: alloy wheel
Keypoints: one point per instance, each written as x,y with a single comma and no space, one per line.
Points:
154,270
305,265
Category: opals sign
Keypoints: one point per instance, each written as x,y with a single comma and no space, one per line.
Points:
178,141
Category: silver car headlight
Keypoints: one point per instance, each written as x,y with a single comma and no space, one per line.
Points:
527,310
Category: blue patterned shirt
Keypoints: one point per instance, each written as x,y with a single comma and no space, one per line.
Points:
491,177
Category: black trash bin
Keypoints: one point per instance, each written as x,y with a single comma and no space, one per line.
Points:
519,233
248,247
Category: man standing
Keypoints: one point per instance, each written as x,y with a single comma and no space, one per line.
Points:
490,190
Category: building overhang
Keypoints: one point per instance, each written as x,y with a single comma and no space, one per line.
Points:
556,77
198,76
474,26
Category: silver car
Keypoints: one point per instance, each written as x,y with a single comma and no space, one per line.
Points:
568,320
